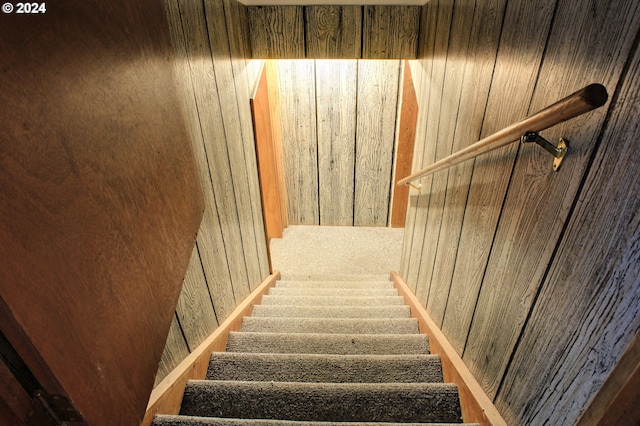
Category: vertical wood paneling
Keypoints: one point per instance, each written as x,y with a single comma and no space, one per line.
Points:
212,126
589,307
296,81
375,140
516,69
277,32
436,83
215,77
454,70
544,291
195,309
237,24
406,140
523,248
331,31
175,350
209,240
235,130
421,72
479,67
390,32
336,118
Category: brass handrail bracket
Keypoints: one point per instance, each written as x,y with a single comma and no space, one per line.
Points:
558,152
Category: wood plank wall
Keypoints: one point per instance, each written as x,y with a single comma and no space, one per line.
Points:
532,275
338,137
230,257
334,32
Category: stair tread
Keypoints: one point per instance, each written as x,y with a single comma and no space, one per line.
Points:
175,420
349,292
332,300
330,325
406,402
347,344
324,368
333,277
381,311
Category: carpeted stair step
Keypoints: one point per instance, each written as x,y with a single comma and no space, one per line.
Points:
365,285
350,402
299,311
331,300
333,277
168,420
319,343
330,325
347,292
325,368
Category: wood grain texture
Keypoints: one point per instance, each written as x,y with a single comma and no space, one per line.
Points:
617,400
475,404
237,19
268,171
515,72
478,73
442,35
212,128
296,83
195,309
167,396
234,137
276,128
444,130
331,32
587,311
390,32
209,240
277,32
100,200
336,117
421,71
404,154
523,248
175,350
375,140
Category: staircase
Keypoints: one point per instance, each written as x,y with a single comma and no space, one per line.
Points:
338,351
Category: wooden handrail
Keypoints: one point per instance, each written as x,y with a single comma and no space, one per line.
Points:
584,100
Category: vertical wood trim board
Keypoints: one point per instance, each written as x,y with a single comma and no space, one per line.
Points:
167,395
476,405
267,167
406,140
276,128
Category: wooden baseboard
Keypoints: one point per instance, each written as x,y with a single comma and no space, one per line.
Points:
476,405
167,396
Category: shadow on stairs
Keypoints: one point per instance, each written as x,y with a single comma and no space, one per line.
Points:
318,352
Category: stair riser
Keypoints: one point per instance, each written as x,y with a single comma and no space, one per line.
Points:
363,285
283,291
